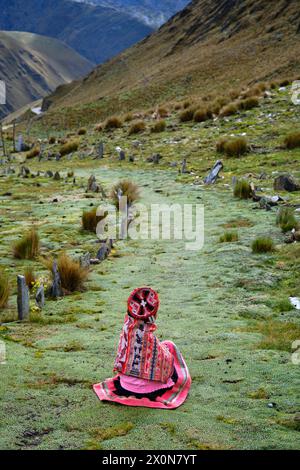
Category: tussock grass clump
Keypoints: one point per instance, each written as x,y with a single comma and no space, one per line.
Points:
292,140
229,237
126,188
137,128
186,104
29,277
234,94
187,115
90,219
229,110
290,422
98,128
263,245
72,274
255,91
220,146
260,394
4,288
73,346
28,246
69,147
277,335
216,107
82,131
242,190
249,103
201,115
159,126
286,219
236,147
33,153
163,112
128,117
285,82
52,140
238,223
113,123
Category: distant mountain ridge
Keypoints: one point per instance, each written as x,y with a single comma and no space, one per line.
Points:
32,66
151,12
96,32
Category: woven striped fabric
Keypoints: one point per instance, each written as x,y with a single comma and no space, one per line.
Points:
141,354
170,399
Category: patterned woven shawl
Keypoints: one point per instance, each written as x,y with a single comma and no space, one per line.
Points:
140,353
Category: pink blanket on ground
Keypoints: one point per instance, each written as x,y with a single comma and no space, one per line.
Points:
171,399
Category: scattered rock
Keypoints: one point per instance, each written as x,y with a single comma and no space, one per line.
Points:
24,172
286,183
85,260
295,301
94,187
214,173
56,176
40,297
23,299
184,166
49,174
56,289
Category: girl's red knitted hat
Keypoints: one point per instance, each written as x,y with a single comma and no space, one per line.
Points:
143,303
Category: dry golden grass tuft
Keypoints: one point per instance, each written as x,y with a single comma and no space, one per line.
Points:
202,115
30,277
128,117
236,147
292,140
90,219
113,123
127,189
28,246
163,112
242,190
249,103
4,288
229,110
98,128
33,153
69,147
137,128
187,115
159,126
72,274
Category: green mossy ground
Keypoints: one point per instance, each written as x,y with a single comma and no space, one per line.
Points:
223,306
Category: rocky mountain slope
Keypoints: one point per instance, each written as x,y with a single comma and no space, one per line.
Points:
210,46
33,66
95,32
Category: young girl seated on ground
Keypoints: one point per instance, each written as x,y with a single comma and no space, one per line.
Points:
150,373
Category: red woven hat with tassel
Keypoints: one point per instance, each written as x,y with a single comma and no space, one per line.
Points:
143,303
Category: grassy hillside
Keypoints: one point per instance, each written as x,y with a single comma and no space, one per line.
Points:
32,66
226,307
97,33
209,47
